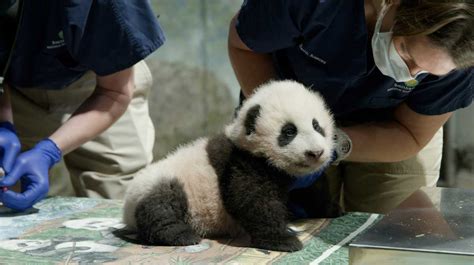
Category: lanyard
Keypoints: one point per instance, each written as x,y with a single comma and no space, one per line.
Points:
10,55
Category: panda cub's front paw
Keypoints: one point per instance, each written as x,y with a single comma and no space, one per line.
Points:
287,244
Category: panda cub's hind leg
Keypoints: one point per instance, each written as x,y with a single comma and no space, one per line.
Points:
161,216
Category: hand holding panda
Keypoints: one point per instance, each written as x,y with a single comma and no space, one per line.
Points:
236,182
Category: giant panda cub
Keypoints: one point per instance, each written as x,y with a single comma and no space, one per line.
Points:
237,181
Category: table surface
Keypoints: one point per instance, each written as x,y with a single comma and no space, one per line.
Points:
82,230
435,220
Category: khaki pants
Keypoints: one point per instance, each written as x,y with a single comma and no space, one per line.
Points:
380,187
102,167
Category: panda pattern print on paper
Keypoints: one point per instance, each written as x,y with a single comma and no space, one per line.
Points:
236,182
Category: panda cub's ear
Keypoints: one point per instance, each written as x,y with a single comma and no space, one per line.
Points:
251,119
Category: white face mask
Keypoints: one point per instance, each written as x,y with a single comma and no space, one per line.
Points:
386,57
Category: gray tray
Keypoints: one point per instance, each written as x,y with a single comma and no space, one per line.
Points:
433,224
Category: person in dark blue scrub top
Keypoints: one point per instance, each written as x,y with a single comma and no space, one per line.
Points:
392,72
76,88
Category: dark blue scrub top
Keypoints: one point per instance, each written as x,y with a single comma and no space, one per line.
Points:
59,40
325,45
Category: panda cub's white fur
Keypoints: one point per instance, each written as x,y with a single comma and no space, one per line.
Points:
215,186
190,165
286,101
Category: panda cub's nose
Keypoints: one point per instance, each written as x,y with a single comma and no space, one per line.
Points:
313,155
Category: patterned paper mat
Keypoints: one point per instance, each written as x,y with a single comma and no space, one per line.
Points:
85,231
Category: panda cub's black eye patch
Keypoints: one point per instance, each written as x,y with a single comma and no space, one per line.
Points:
287,134
318,128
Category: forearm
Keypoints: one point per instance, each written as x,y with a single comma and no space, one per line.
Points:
93,117
395,140
5,106
381,142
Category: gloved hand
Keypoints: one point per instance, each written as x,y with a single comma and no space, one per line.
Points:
296,209
32,168
9,146
306,181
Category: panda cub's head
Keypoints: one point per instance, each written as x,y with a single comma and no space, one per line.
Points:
286,123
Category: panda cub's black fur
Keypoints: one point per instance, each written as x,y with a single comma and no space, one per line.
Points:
255,193
236,182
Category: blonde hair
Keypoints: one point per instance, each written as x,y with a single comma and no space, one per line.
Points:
449,24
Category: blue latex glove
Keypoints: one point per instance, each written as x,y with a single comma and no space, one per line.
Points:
9,146
308,180
32,168
296,209
303,182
